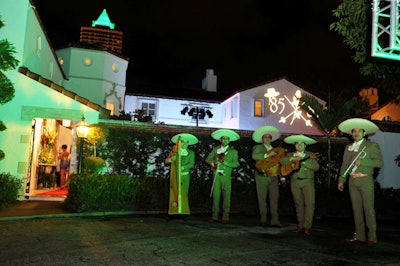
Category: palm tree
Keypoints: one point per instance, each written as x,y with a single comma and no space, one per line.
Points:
7,62
326,119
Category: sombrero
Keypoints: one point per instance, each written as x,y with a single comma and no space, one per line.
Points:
271,92
299,138
217,134
348,125
189,138
261,131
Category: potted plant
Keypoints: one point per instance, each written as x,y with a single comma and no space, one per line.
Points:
47,142
47,179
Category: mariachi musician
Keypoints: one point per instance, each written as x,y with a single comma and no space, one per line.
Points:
359,161
182,160
303,164
267,173
222,160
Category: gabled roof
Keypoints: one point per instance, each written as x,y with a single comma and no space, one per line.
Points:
47,37
104,113
264,83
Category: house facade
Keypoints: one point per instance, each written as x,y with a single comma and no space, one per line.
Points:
43,114
388,112
274,103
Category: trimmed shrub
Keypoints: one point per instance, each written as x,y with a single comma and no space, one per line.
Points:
90,192
10,187
93,164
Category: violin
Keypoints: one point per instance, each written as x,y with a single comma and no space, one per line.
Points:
220,158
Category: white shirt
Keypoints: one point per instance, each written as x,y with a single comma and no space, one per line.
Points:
222,149
355,146
299,154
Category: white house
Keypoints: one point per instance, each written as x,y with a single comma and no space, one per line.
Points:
274,103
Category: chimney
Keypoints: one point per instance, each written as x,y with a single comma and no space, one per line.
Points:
370,95
209,83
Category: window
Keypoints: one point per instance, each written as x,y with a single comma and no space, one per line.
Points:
149,108
258,108
234,108
38,45
51,69
110,106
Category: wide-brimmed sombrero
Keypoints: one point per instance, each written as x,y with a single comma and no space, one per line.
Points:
299,138
273,131
217,134
187,137
348,125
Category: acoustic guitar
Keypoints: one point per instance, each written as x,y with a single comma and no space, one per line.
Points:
293,166
270,166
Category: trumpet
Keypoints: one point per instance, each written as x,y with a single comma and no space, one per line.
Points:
352,166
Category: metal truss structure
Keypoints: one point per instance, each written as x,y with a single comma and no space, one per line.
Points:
385,29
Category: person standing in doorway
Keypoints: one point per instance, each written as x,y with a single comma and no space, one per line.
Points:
63,156
359,160
222,159
302,165
267,173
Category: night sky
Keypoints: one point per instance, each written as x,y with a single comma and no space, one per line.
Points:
171,43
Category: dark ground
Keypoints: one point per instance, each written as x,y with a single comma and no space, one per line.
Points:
42,233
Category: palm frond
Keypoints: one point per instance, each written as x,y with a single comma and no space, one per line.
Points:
343,112
325,120
318,112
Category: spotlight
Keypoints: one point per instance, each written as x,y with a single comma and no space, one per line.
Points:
209,114
202,114
192,111
184,110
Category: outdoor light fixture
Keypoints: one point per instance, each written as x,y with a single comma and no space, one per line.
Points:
192,111
66,123
184,110
82,130
202,114
197,111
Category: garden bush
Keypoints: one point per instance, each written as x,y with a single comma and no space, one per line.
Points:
9,189
91,192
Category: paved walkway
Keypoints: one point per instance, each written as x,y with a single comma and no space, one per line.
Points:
43,233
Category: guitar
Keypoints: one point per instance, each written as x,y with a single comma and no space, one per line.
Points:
293,166
270,166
